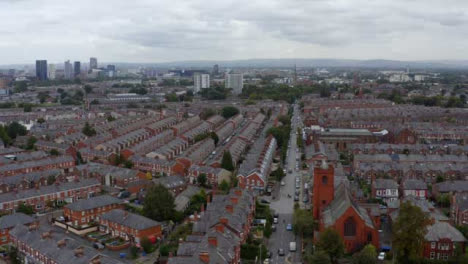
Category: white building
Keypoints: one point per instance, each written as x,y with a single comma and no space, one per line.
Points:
235,81
201,81
51,72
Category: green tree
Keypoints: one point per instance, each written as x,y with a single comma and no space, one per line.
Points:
146,245
54,152
278,174
88,89
201,179
51,180
409,230
224,186
13,256
20,87
16,129
320,257
172,97
30,143
27,108
25,209
88,130
207,113
229,111
215,137
4,136
330,242
368,255
110,118
159,204
303,222
128,164
41,120
133,252
226,162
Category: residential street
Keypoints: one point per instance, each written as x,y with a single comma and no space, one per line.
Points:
284,206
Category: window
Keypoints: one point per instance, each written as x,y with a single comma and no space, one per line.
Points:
433,245
324,180
369,237
350,227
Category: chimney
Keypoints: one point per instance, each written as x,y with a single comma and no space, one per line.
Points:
220,228
79,252
205,257
61,243
223,221
234,200
229,208
213,241
45,235
195,216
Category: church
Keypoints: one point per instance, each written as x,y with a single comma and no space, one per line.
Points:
334,207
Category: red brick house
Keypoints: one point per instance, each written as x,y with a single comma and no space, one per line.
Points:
129,226
459,209
85,211
7,222
441,241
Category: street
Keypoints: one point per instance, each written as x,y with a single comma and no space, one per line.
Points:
283,204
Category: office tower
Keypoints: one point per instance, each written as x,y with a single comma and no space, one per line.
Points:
92,63
111,67
235,81
110,70
201,81
41,70
51,72
77,68
68,70
215,69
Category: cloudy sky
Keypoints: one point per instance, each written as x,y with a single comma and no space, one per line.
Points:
161,31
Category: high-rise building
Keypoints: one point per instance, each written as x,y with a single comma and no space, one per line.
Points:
68,70
93,63
51,72
41,70
215,69
111,67
201,81
235,81
76,68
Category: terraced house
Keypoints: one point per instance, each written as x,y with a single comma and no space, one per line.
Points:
84,211
65,163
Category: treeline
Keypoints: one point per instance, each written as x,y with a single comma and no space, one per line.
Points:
438,100
283,92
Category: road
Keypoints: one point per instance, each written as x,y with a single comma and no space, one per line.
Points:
284,205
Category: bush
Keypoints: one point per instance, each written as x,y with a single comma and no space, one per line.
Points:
146,245
133,252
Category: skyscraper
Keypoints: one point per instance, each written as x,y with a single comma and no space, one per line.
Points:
201,81
68,70
51,72
215,69
235,81
41,70
77,68
93,63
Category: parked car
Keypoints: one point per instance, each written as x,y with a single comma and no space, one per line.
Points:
273,228
276,215
264,201
280,252
98,245
381,256
275,220
296,198
283,183
123,194
289,227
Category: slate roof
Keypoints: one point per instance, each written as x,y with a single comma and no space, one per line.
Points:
341,202
414,184
440,230
93,202
128,219
451,186
385,184
8,221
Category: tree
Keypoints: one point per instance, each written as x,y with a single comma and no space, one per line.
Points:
30,144
201,179
27,108
54,152
4,136
207,113
20,87
25,209
128,164
51,180
110,118
146,245
159,204
320,257
278,174
224,186
13,256
16,129
133,252
88,89
303,222
215,137
172,97
40,120
229,111
330,242
368,255
88,130
226,162
409,230
443,200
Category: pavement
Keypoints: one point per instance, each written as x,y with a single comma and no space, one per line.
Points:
284,206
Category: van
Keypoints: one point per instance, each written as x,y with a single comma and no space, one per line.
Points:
292,246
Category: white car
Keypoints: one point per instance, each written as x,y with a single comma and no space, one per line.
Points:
381,256
282,183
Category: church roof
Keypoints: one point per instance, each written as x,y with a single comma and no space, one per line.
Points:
340,204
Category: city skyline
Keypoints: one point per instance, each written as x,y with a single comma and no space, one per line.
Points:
133,32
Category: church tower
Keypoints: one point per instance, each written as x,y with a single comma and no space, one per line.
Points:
323,189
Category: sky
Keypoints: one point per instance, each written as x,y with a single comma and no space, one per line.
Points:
180,30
